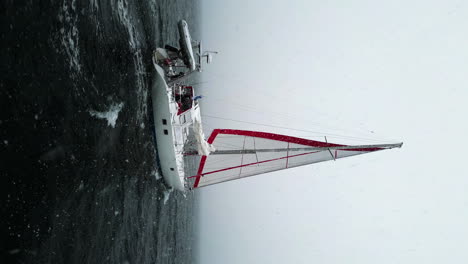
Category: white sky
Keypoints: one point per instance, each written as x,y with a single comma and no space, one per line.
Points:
396,68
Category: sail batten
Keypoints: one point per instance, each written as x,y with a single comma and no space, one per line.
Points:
242,153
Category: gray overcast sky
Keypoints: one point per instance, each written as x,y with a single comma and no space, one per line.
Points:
386,69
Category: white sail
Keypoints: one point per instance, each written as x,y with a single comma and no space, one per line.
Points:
241,153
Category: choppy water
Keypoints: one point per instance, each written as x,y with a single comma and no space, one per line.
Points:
77,149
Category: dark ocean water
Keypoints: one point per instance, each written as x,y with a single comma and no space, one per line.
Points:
77,189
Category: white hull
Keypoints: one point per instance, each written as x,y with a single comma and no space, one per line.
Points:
176,110
170,158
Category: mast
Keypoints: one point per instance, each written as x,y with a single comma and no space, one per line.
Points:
357,147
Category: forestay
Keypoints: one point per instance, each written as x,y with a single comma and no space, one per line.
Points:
241,153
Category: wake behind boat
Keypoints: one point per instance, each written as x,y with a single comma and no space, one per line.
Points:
227,154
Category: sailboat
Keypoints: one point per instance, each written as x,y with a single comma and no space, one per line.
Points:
227,154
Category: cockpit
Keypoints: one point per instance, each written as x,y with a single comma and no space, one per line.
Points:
183,96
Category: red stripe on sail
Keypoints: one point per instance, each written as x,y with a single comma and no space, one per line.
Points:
210,140
278,137
203,159
213,135
200,169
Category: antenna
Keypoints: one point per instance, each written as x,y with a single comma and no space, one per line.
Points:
209,55
204,54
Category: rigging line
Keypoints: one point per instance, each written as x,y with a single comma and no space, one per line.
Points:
289,116
254,109
208,125
301,130
224,144
285,116
253,89
319,134
240,80
195,83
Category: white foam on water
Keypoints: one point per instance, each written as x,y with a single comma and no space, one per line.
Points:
155,174
141,91
68,16
167,194
111,115
122,8
94,4
140,70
